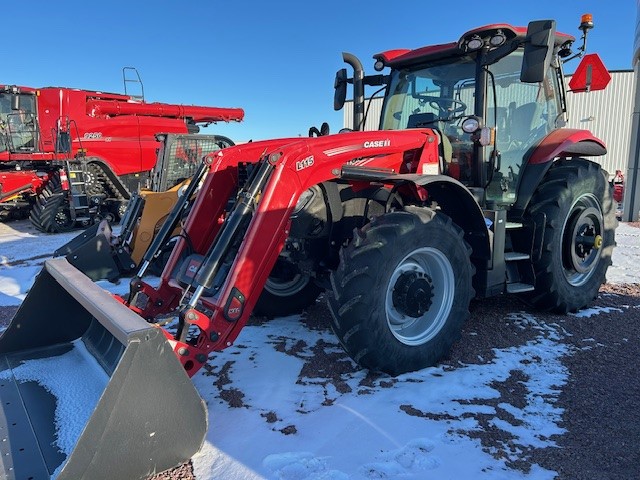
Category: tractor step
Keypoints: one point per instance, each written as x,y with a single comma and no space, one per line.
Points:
519,287
513,225
516,256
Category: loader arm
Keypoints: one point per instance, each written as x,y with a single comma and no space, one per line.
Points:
216,318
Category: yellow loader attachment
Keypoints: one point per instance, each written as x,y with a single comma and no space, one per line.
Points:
90,390
157,206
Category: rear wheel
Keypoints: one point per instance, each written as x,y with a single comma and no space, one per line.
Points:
51,212
575,199
286,291
402,291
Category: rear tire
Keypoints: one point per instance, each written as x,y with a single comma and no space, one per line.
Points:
286,292
51,211
402,290
575,198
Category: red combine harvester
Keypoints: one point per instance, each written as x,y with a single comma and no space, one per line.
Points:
470,189
70,156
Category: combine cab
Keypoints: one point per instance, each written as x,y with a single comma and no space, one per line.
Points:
469,190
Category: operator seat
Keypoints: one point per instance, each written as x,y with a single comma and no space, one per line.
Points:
522,122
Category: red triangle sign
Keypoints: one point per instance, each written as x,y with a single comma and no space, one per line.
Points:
591,74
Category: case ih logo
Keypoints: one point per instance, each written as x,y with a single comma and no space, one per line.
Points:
306,163
377,143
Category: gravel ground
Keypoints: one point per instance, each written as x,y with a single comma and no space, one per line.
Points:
601,399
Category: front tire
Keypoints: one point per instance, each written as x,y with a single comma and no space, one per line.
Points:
402,290
575,198
51,212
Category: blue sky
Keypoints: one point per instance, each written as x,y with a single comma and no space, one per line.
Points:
275,59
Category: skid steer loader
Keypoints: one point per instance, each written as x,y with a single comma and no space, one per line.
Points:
101,254
470,189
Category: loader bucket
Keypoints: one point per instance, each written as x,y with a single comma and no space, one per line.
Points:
91,252
89,389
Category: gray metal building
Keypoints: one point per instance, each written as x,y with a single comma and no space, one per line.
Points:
606,113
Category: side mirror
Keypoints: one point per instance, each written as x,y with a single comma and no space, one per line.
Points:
340,86
538,49
15,102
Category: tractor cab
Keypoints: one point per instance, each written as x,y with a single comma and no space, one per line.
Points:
492,96
476,94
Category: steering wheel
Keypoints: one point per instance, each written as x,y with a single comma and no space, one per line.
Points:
451,106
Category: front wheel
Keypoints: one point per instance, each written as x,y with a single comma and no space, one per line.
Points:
402,290
51,212
287,291
576,202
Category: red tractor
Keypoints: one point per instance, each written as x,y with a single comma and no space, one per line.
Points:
469,190
70,156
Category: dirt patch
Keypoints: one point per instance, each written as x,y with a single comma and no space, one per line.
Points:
602,396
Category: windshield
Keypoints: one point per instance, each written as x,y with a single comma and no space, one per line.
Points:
438,95
17,126
439,92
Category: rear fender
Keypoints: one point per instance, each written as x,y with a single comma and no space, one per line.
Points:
564,142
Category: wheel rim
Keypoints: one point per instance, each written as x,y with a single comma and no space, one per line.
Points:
582,240
62,219
285,281
92,180
122,209
419,296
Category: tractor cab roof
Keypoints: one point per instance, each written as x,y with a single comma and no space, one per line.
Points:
493,35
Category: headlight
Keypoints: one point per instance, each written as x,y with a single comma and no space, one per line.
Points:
475,43
471,124
498,39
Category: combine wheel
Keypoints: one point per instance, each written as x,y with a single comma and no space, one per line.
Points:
94,180
51,211
287,291
402,290
576,201
99,183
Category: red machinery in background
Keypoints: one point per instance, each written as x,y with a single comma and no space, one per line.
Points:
69,156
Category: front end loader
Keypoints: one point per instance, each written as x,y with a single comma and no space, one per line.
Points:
458,196
137,413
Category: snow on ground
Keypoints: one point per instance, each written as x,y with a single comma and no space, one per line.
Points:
268,419
626,256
